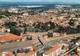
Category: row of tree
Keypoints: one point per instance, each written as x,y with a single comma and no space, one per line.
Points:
42,27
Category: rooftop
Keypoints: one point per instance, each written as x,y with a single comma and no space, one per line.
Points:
53,48
9,37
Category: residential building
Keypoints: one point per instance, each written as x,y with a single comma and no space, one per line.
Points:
54,51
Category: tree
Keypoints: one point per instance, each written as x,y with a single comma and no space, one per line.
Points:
10,24
71,22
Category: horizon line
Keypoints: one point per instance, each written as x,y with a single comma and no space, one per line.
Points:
41,2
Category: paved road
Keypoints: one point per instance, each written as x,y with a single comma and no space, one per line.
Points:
15,45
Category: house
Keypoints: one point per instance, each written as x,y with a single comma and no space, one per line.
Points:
14,10
7,54
28,52
9,37
23,52
55,50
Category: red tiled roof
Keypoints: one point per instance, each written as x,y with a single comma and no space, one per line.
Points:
54,48
8,54
9,37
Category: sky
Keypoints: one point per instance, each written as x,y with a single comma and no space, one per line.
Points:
66,1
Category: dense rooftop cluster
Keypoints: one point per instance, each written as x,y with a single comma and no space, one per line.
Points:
58,19
33,28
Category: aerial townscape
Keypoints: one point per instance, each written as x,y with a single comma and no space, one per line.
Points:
39,29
